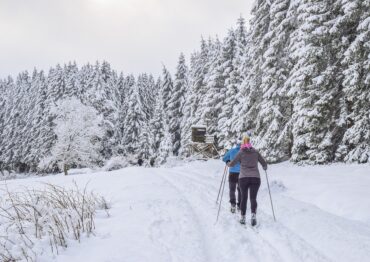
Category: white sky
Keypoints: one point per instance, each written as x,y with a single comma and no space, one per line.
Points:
133,35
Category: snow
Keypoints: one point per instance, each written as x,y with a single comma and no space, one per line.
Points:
199,126
169,213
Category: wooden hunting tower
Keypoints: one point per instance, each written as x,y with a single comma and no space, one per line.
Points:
202,145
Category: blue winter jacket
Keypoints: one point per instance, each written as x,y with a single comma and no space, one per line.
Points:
229,156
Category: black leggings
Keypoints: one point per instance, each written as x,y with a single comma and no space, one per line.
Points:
233,186
253,184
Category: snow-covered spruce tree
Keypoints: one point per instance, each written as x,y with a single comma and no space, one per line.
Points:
135,120
148,97
123,89
156,124
176,103
250,88
166,92
20,120
3,101
145,151
56,84
188,112
71,75
185,126
147,94
105,99
37,139
167,87
239,75
7,142
78,130
273,134
355,145
165,146
245,111
230,90
199,64
212,102
314,86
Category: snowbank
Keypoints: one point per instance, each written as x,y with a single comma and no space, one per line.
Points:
168,214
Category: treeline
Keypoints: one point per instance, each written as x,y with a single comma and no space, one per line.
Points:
298,79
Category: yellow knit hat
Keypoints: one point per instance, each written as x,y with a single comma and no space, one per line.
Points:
246,139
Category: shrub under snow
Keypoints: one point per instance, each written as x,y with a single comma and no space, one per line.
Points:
35,222
116,163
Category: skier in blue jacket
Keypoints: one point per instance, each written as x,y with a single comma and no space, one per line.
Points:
233,177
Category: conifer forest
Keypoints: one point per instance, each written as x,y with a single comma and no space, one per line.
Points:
296,77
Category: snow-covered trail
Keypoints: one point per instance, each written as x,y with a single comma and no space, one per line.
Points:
303,231
168,214
234,242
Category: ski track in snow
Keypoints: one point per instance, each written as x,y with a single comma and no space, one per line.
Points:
188,213
169,215
272,243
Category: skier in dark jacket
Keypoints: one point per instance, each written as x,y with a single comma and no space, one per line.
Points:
233,177
249,177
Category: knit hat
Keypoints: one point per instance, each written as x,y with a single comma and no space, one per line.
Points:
246,138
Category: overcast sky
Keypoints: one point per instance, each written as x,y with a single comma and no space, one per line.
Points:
133,35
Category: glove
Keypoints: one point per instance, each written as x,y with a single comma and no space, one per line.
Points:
265,168
228,161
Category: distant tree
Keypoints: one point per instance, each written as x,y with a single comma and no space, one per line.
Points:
135,121
156,124
165,146
176,103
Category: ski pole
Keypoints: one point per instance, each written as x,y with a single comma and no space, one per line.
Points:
219,190
222,193
268,185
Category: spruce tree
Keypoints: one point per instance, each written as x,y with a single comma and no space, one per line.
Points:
314,86
134,123
355,145
230,90
176,103
166,93
273,132
212,103
199,64
250,93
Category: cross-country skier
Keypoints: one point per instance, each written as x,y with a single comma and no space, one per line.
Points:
233,177
249,177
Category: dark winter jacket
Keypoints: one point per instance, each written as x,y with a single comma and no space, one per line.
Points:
230,155
248,159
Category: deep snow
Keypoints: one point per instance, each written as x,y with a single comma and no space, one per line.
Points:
168,214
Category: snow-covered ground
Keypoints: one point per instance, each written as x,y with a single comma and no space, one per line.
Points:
168,214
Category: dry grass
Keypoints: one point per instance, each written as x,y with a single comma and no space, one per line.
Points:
31,220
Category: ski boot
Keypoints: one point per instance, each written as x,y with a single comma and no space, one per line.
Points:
232,209
242,220
238,208
253,220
